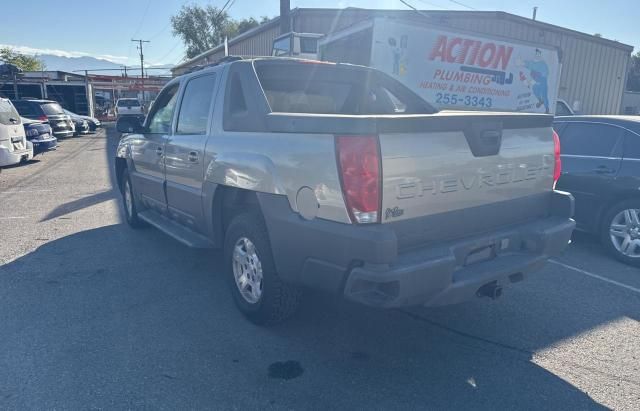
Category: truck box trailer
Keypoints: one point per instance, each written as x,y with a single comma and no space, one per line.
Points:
452,69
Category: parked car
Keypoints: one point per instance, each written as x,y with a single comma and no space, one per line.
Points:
49,111
93,122
80,126
40,135
14,146
129,107
601,168
339,177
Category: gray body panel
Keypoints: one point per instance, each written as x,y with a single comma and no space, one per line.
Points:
439,172
146,153
438,179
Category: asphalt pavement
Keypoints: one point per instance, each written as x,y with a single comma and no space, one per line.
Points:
95,315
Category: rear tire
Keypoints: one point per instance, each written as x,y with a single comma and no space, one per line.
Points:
129,203
620,232
256,288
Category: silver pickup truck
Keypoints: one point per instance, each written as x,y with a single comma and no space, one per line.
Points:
338,177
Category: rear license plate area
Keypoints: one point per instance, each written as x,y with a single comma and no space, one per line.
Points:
480,255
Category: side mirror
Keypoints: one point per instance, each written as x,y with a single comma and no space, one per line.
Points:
129,124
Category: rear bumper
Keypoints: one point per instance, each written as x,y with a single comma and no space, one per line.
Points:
8,158
443,275
62,133
363,262
43,145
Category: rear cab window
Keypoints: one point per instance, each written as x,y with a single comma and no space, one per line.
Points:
128,103
51,109
326,88
27,109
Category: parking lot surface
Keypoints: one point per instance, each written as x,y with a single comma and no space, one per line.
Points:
96,315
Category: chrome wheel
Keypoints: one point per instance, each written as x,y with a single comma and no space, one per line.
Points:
247,270
625,232
128,199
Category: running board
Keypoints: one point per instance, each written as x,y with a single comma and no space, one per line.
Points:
175,230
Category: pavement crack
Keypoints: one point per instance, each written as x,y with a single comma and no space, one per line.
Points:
467,335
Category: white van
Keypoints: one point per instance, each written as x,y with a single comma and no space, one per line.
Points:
14,146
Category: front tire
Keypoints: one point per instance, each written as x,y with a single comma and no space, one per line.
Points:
128,202
256,288
620,233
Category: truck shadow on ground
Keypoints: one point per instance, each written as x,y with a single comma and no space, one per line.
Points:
151,323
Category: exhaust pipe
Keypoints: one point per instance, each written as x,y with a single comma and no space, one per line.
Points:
491,290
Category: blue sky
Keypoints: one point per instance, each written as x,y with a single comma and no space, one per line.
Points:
104,29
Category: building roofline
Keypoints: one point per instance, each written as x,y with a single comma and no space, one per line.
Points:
264,26
435,13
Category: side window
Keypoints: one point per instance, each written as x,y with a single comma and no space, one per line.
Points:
196,103
237,103
562,109
631,145
8,113
159,119
589,139
282,47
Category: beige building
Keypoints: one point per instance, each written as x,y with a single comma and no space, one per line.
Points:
594,69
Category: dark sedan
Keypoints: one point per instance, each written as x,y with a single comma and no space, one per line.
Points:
601,168
93,122
40,135
80,126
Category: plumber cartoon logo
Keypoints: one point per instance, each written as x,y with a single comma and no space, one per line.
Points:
399,55
537,79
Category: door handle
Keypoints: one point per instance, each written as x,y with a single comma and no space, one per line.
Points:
159,151
193,156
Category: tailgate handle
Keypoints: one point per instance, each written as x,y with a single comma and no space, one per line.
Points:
484,138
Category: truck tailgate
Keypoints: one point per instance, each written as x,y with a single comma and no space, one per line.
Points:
463,162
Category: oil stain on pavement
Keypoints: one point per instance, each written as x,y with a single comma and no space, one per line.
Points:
286,370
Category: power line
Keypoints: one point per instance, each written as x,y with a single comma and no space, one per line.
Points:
170,50
430,4
222,9
144,15
416,10
462,4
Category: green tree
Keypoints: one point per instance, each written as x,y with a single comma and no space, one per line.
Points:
633,79
26,63
204,27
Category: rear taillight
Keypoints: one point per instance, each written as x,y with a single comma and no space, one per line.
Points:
359,166
557,170
43,118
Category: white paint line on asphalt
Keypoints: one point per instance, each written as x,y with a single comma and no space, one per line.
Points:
596,276
12,218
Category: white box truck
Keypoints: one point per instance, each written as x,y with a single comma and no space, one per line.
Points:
450,68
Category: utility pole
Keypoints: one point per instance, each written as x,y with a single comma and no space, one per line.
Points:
125,70
285,19
141,63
